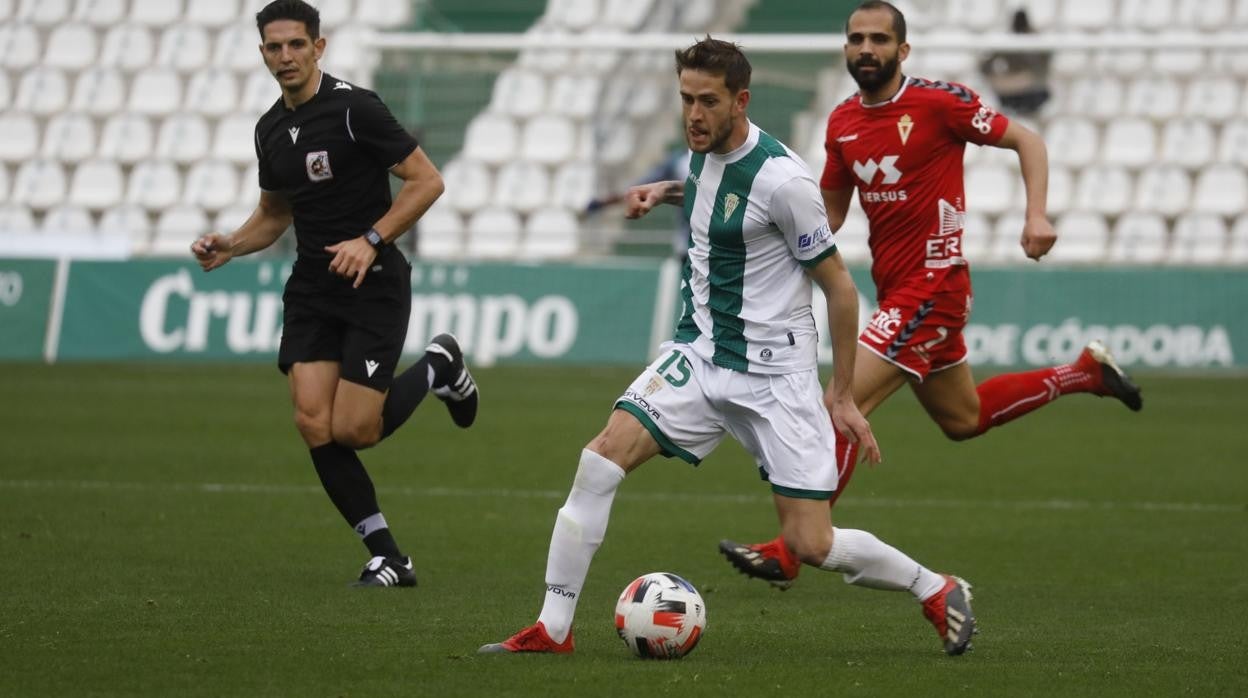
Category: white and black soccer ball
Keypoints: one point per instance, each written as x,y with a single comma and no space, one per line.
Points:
660,616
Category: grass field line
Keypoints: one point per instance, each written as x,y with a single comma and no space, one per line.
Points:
559,495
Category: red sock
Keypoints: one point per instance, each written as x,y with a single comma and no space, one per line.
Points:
846,458
1007,397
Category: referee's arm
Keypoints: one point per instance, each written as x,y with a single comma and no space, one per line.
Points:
422,185
265,225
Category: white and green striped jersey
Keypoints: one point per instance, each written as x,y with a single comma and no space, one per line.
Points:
757,218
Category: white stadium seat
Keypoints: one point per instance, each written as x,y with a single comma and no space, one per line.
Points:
127,46
211,185
619,145
184,47
1203,14
260,92
67,220
1129,142
69,137
1156,98
249,185
1123,63
519,93
99,91
1233,147
697,15
154,185
176,228
572,15
130,221
1081,238
96,184
1166,190
626,15
183,138
1061,190
1139,238
440,233
155,13
851,239
1221,189
575,95
229,219
1182,63
491,138
573,185
384,14
990,188
6,92
100,13
334,12
493,232
71,46
156,92
1199,238
550,233
975,15
1211,98
212,93
345,52
43,13
976,238
469,185
235,139
15,218
1149,15
1103,189
1081,14
19,136
1187,143
1238,252
42,91
235,48
522,186
127,138
1098,97
212,13
19,46
39,184
1072,141
4,184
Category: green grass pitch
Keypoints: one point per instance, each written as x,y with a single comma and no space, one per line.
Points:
162,533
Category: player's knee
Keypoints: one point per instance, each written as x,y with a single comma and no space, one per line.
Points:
357,435
313,427
959,429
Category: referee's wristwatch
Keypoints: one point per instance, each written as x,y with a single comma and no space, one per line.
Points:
374,238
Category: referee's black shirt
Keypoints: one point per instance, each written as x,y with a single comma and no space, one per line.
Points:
330,157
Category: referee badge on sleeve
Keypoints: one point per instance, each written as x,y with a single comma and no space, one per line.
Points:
318,166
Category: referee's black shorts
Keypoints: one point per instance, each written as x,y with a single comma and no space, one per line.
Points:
362,329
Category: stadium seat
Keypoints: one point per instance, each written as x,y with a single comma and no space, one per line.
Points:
260,92
99,91
39,184
156,92
1129,142
1007,235
1081,238
155,13
100,13
43,13
698,15
1212,98
6,92
1233,147
522,186
235,49
1084,15
249,185
212,92
334,12
235,139
440,233
1120,62
1181,63
214,13
345,52
211,185
1154,97
19,136
573,185
129,221
1097,97
71,47
550,233
1221,189
1139,238
42,91
69,137
1165,190
1238,251
67,220
974,15
15,218
1061,190
177,228
96,184
127,46
1149,15
1103,189
4,184
184,47
1199,238
548,140
19,46
491,138
1202,14
619,145
127,138
154,185
519,93
493,232
469,185
549,62
976,238
229,219
183,138
1187,143
1070,64
626,15
1072,141
384,14
989,188
575,96
572,15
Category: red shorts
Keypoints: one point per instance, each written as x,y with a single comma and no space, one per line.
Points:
919,329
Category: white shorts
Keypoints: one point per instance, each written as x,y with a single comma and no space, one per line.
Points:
688,405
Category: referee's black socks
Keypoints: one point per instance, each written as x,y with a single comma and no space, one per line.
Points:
409,388
351,490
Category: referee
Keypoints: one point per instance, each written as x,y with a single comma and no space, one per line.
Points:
324,151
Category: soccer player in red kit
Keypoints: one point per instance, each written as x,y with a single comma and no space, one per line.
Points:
900,142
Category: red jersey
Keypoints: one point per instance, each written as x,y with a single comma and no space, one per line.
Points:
905,157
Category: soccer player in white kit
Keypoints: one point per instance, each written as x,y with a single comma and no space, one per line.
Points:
742,362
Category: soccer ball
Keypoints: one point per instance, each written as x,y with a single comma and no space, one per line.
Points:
660,616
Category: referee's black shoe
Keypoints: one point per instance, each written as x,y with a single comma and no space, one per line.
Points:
454,385
387,572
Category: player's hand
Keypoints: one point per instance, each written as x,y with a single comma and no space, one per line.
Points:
849,422
1038,237
641,199
212,250
352,259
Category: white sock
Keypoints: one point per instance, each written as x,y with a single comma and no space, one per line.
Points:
579,528
868,561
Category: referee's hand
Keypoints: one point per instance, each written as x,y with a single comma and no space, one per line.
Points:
352,258
212,250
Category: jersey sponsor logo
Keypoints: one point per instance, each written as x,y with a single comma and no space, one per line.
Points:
904,125
294,134
340,85
982,121
883,197
731,201
318,166
945,249
951,219
883,324
846,139
808,241
866,171
638,400
371,367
